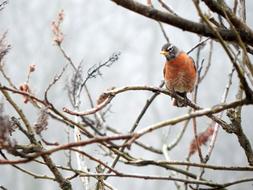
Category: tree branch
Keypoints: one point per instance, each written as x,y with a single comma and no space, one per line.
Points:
222,9
182,23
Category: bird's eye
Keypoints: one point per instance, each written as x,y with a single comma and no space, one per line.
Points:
170,49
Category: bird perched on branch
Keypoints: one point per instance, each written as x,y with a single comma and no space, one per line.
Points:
179,72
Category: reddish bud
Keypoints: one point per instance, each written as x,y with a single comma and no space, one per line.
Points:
32,68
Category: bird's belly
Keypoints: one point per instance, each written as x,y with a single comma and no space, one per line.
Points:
180,83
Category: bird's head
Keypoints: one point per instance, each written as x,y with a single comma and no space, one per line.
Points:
169,51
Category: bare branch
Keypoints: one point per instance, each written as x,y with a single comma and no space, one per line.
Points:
3,4
207,111
65,147
92,110
182,23
95,70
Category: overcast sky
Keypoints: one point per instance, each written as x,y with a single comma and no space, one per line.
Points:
94,30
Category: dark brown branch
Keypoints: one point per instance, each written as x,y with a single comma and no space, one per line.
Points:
64,183
184,24
199,165
222,9
3,5
235,118
207,112
65,147
167,178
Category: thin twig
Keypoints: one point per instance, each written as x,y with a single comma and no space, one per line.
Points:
90,111
216,125
173,144
167,178
3,4
167,7
209,61
96,160
67,57
140,116
197,45
163,32
56,78
194,120
144,146
140,162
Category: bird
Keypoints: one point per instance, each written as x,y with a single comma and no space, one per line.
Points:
179,72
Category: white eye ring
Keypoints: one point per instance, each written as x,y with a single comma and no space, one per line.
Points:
170,49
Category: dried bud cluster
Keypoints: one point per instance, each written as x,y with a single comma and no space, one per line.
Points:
4,47
102,98
56,29
6,128
201,140
32,68
25,88
42,121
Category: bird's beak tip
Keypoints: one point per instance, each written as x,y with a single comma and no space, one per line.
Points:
163,52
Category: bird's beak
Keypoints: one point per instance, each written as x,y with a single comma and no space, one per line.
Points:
164,52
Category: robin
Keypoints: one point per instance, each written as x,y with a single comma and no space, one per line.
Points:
179,72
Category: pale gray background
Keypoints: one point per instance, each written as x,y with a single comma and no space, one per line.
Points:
94,29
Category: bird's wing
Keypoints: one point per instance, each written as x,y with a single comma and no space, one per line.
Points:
164,71
193,62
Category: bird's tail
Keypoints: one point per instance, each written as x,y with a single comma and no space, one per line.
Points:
180,103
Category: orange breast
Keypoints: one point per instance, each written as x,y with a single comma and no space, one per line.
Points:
180,73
